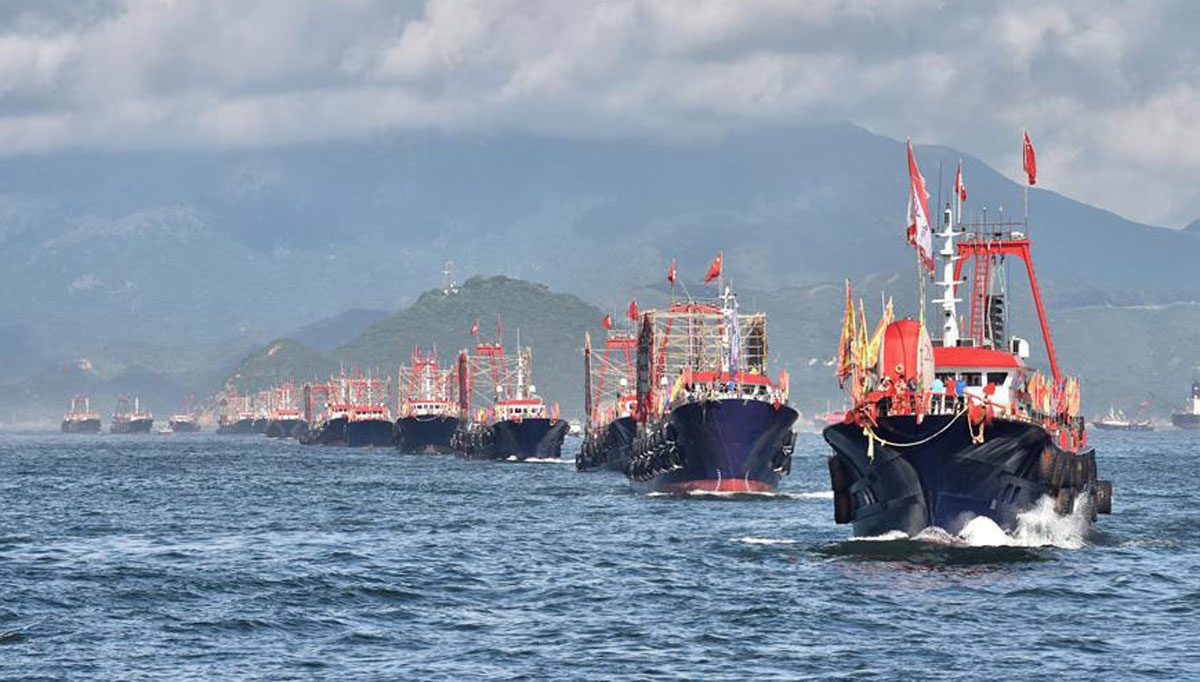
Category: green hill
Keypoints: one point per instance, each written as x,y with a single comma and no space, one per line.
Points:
552,324
280,361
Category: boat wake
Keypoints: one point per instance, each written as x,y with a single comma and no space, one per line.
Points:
815,495
541,460
763,541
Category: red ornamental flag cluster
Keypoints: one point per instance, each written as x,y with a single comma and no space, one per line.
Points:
632,312
671,273
920,232
607,322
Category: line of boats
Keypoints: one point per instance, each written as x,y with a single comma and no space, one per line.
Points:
681,399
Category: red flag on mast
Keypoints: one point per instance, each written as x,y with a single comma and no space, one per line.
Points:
920,234
960,187
1029,160
671,273
632,313
714,270
607,322
475,327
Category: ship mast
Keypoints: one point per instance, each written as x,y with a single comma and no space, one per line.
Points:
949,254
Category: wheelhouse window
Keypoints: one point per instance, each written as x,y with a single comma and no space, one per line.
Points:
973,378
997,378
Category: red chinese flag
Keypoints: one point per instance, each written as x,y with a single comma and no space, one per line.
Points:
1030,160
671,273
633,310
607,322
475,328
960,187
714,270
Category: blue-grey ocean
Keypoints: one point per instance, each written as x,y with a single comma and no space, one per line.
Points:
222,558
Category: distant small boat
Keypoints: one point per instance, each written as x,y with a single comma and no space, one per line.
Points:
1116,421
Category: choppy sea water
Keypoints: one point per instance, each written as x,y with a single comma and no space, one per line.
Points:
207,557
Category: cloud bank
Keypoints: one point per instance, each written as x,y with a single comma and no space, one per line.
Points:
1110,90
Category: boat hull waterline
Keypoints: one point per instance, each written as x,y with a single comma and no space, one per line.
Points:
715,446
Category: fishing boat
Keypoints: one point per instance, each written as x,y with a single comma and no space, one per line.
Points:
80,417
943,433
1189,418
510,420
284,417
1116,420
610,401
129,417
349,411
234,413
709,419
428,415
184,421
829,417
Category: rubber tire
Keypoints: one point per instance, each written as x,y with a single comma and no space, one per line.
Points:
843,507
1104,497
839,478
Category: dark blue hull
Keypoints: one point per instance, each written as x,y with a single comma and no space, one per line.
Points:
525,439
81,426
183,426
240,427
608,447
718,446
946,479
368,433
131,426
286,428
425,435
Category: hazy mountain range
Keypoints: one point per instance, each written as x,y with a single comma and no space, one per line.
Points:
171,252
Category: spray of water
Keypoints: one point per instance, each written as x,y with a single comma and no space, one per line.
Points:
1040,526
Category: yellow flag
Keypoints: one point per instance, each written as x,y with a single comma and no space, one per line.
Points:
845,356
871,358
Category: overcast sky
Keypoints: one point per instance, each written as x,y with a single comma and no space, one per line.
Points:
1110,90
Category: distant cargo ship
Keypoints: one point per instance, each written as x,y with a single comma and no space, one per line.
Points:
129,417
428,416
516,423
1190,417
80,418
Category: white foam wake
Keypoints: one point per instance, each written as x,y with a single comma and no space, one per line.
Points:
816,495
1040,526
541,460
764,541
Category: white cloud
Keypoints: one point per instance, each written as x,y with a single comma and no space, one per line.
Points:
1106,86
